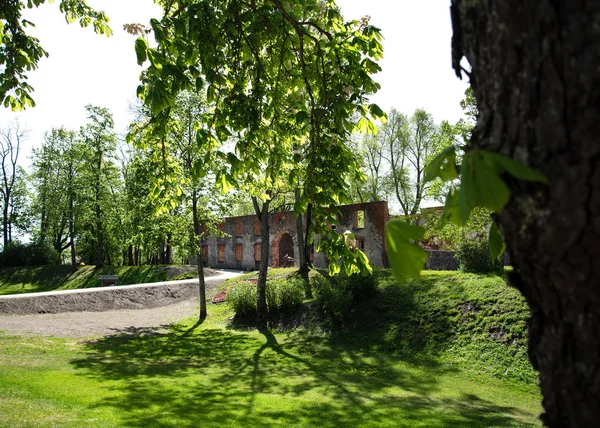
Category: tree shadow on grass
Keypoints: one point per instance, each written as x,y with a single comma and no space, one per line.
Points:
213,377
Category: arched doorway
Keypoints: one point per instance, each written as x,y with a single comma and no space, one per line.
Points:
286,251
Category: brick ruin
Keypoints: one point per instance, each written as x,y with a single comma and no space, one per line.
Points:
242,248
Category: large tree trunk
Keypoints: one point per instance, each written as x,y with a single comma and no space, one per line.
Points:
535,74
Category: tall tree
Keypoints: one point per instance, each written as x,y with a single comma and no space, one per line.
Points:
57,166
408,145
99,136
277,71
11,138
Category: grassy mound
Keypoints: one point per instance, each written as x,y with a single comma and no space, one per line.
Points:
469,320
29,279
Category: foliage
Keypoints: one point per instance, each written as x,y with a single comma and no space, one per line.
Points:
32,254
286,79
284,295
337,296
483,183
449,236
21,52
474,257
241,297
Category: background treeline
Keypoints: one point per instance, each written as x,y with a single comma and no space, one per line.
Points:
90,197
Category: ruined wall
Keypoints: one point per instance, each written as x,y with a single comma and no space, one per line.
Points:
241,249
441,260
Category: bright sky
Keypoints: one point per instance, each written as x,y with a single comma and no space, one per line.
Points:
85,68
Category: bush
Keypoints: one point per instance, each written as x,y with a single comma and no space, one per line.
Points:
336,296
474,257
284,295
242,298
32,254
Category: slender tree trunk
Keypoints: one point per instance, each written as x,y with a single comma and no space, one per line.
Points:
303,269
201,281
304,249
169,255
535,77
261,285
72,232
99,236
5,222
130,259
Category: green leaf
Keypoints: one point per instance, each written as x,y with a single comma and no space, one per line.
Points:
376,111
496,243
406,258
466,193
491,191
443,166
141,50
301,116
514,168
451,213
160,97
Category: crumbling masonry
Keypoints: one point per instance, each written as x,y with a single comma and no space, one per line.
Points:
242,248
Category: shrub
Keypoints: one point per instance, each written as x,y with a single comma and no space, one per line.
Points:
242,298
284,295
32,254
474,257
336,296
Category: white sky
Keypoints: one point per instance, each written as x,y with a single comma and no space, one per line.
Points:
85,68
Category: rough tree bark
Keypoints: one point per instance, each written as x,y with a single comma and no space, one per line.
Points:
536,76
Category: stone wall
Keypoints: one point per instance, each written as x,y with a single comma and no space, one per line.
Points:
444,260
441,260
100,298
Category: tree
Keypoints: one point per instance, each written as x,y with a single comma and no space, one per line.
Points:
535,80
100,139
11,138
278,73
21,52
57,166
408,145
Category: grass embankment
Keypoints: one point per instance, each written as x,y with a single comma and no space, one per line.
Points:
409,356
33,279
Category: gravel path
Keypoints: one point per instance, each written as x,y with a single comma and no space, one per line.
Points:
86,324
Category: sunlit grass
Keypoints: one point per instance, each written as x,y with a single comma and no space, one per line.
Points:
34,279
212,376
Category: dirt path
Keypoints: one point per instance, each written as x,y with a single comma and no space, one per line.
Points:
86,324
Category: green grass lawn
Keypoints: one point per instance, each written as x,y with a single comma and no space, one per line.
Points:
33,279
365,374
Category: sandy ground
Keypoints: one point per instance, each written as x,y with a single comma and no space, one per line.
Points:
86,324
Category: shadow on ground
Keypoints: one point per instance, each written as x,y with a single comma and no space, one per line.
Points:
213,377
